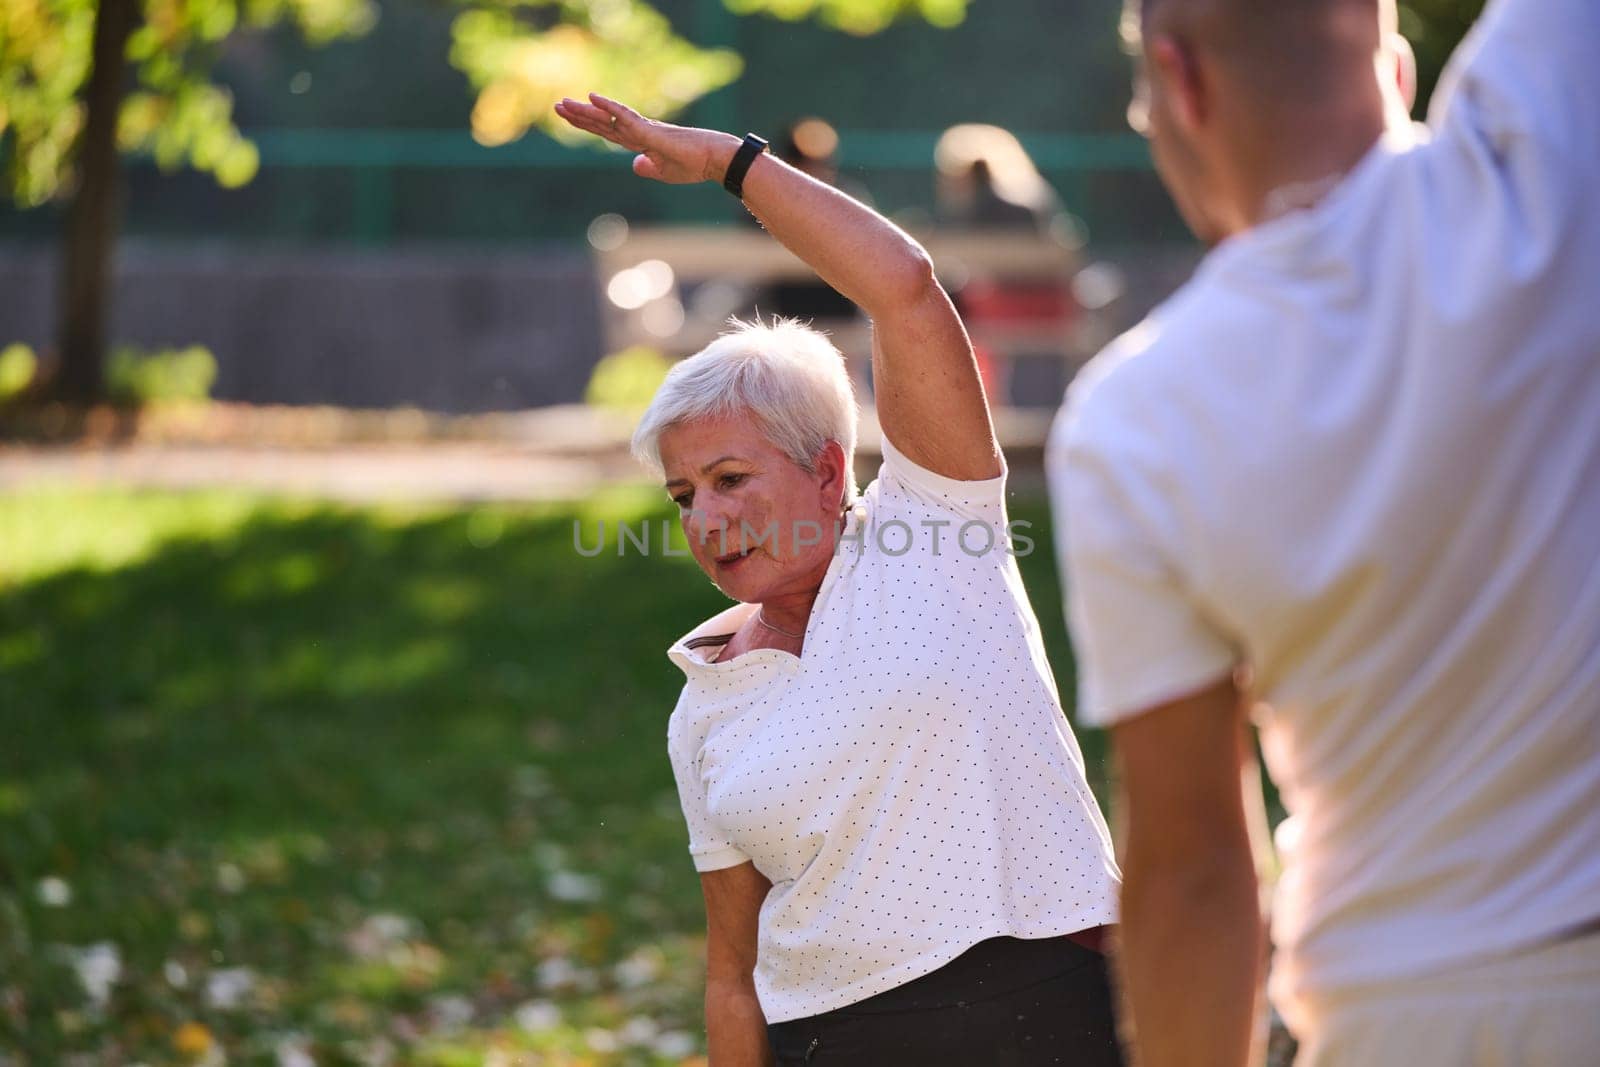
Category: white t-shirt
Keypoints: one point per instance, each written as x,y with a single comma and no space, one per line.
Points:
1360,452
909,784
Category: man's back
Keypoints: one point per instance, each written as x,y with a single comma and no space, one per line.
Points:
1361,453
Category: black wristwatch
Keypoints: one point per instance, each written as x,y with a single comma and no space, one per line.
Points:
733,181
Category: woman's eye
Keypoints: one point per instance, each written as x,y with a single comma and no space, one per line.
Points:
683,500
728,481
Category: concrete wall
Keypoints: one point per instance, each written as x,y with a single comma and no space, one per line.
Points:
445,331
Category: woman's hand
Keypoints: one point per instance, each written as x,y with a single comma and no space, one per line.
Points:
677,155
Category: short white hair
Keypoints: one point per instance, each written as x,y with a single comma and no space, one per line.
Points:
786,377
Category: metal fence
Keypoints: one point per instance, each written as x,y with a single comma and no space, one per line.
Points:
378,187
896,166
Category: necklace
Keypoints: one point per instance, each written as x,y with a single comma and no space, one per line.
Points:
762,619
761,615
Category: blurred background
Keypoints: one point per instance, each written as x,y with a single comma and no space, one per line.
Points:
325,737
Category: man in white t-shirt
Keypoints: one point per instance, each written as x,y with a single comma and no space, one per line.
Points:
1352,471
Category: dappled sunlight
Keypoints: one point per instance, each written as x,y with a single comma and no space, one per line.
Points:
250,730
359,784
315,668
47,530
447,600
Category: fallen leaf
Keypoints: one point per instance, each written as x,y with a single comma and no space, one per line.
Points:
192,1039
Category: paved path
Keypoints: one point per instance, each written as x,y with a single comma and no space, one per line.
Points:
547,454
458,472
552,454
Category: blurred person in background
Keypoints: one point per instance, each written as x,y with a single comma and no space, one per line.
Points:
901,859
811,146
986,183
1350,471
985,179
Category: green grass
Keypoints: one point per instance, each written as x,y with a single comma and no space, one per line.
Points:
403,766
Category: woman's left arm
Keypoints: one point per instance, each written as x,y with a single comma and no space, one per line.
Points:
929,395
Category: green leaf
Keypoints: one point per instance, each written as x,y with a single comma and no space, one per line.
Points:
17,367
173,112
858,17
622,48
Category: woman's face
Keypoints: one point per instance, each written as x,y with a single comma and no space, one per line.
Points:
759,525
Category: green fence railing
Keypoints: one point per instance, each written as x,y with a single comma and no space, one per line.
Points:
381,186
379,164
454,149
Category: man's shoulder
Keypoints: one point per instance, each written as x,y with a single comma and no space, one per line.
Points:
1522,72
1175,355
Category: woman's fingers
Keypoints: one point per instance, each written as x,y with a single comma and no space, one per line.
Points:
568,110
637,132
623,126
591,119
593,116
586,117
626,117
645,167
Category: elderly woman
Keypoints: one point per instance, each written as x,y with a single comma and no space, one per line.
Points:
902,862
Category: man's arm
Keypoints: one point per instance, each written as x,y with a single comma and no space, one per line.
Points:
1527,67
736,1030
1191,937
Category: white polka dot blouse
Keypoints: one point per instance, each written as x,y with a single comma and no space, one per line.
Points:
909,784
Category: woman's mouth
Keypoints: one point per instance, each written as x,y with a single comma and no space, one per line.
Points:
732,559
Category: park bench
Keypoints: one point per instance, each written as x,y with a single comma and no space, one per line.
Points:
673,289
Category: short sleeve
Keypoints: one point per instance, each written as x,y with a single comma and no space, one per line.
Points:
1526,73
709,848
1139,635
900,477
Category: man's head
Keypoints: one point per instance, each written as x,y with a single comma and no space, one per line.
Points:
1241,97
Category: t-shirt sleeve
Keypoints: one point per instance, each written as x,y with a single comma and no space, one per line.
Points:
903,479
708,847
1140,637
1526,75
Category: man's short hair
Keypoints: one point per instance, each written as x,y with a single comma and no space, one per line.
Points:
1287,48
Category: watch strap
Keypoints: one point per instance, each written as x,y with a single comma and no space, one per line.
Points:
733,180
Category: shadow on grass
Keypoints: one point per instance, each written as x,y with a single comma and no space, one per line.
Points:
386,785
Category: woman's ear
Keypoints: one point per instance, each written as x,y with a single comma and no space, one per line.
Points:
832,478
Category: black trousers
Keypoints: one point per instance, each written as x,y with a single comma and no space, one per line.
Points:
1003,1003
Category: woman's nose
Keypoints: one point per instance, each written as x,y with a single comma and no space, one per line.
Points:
708,525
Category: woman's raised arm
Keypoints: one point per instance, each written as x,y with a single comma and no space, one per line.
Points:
929,395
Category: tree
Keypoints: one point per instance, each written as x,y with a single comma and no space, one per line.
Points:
84,82
521,58
67,115
1434,28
